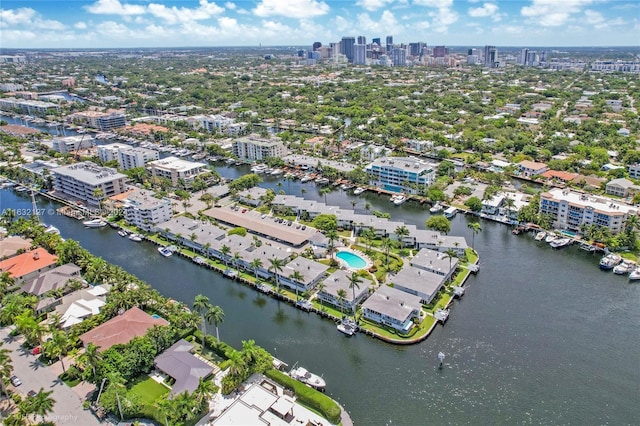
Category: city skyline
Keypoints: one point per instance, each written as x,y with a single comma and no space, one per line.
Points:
203,23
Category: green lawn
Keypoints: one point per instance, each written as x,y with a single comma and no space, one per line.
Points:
149,390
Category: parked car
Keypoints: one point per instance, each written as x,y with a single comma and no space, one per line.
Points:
31,393
36,351
15,381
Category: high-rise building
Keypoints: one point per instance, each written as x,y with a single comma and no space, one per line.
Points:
399,57
316,46
360,54
523,56
346,47
335,49
440,51
491,56
362,40
415,49
389,45
376,40
302,53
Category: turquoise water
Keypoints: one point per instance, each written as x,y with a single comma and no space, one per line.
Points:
353,260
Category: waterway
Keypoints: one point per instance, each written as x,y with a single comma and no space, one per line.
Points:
542,336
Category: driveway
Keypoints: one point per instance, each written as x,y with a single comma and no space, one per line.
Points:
34,375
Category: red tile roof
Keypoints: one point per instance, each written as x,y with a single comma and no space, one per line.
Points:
121,329
28,262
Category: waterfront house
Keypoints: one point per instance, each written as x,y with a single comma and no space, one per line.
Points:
186,369
621,187
54,279
310,270
121,329
434,261
419,282
337,281
393,308
28,265
75,307
11,246
529,169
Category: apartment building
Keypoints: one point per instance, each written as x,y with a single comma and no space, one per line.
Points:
569,210
103,121
401,174
145,211
256,148
127,156
81,180
72,144
174,169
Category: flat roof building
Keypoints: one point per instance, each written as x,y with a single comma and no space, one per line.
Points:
401,174
72,144
392,307
174,169
256,148
145,211
81,180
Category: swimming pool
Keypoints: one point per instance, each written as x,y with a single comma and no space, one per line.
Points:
353,260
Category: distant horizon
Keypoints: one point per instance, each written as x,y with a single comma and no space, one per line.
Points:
137,24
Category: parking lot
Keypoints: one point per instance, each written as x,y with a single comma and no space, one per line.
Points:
34,375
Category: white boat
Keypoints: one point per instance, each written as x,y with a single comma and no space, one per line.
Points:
95,223
398,199
276,172
560,242
199,260
634,275
308,378
609,261
348,327
540,236
305,179
441,315
135,237
359,190
550,237
624,268
123,233
50,229
437,208
450,212
587,247
167,251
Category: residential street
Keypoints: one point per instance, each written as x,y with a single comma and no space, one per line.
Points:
35,375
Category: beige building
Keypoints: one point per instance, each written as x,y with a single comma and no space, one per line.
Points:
174,169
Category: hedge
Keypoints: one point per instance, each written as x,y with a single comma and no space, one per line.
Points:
308,396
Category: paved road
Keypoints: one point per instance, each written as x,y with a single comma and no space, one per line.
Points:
35,375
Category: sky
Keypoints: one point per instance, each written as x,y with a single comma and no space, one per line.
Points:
204,23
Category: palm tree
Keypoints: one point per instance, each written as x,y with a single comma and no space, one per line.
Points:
354,282
91,358
386,246
237,364
276,267
225,250
205,391
205,249
450,254
201,305
475,229
58,346
236,260
215,314
249,351
402,232
42,403
342,294
256,264
325,191
298,278
6,368
332,236
368,236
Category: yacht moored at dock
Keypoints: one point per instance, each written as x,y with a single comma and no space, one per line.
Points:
135,237
437,208
348,327
167,251
359,190
635,274
308,378
398,199
441,315
609,261
540,236
625,267
560,242
450,212
95,223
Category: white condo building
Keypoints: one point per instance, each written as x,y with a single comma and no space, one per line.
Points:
174,169
145,211
256,148
127,156
81,180
569,210
71,144
401,174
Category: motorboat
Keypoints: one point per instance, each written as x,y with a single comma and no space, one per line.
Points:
450,212
441,315
560,242
609,261
167,251
540,236
199,260
304,304
50,229
135,237
123,233
437,208
276,172
359,190
259,168
305,179
348,327
308,378
625,267
550,237
457,291
635,274
95,223
587,247
398,199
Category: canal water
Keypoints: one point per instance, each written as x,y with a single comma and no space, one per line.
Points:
542,336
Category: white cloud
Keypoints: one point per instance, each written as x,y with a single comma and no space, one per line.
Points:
387,23
291,8
229,5
173,15
487,9
28,17
552,13
442,16
372,5
114,7
439,4
80,25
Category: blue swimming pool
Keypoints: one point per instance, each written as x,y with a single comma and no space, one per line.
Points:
353,260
